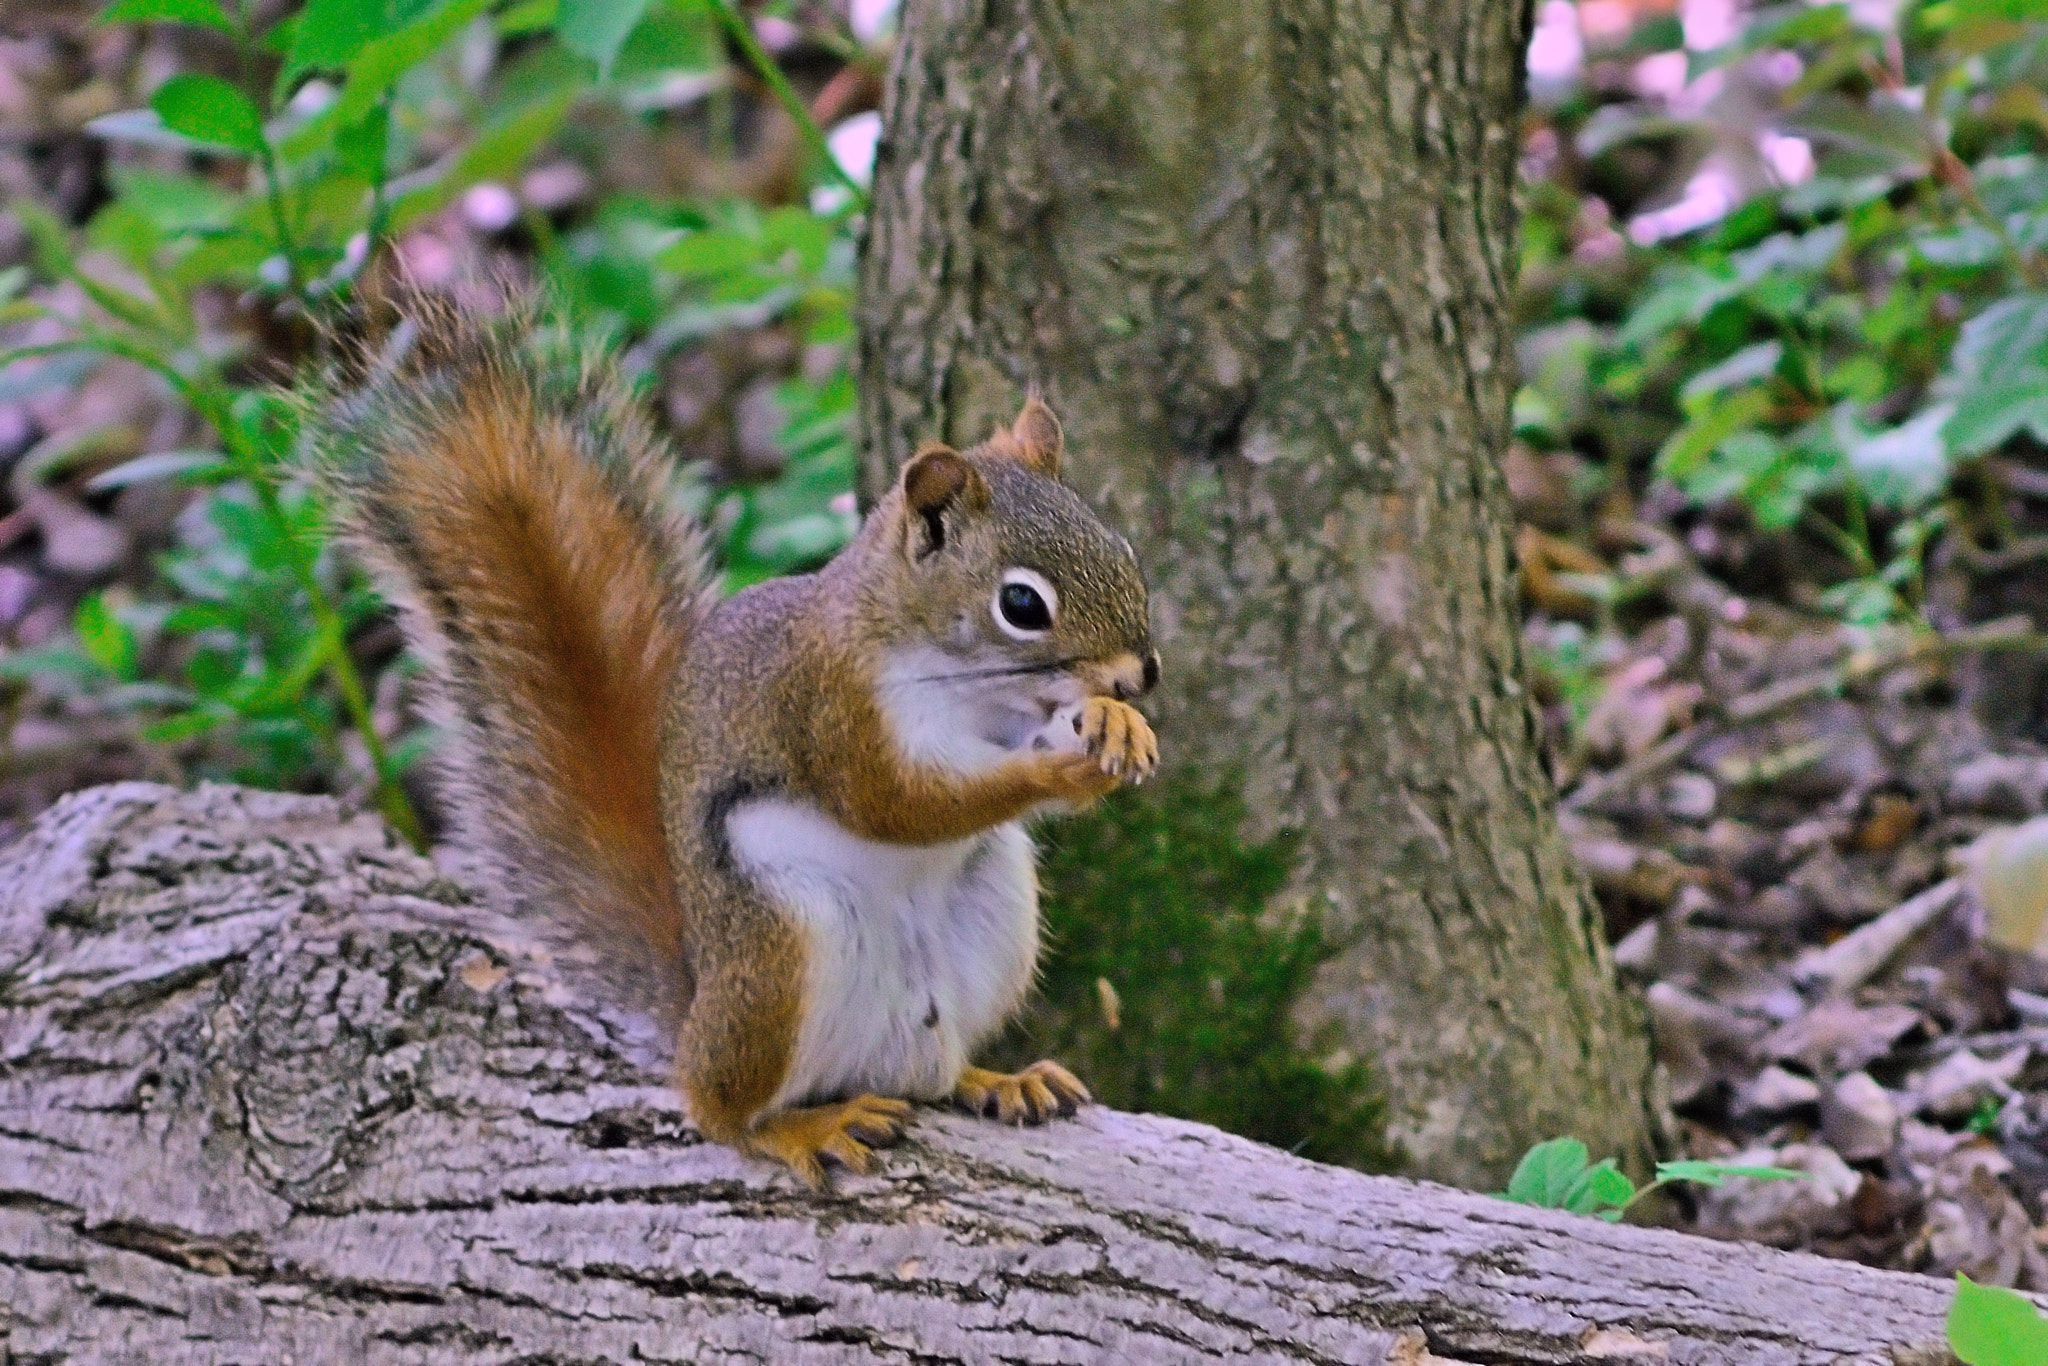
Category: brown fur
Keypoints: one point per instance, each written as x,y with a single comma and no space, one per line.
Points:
561,601
552,597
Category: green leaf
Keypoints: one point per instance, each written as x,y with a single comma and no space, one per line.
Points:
709,254
1683,296
1999,375
1723,416
106,638
173,203
377,67
1547,1173
1906,466
1966,10
597,29
144,127
51,243
331,32
1714,1173
2005,341
1820,24
1984,419
1875,137
1600,1187
195,466
209,110
187,725
528,16
204,13
1990,1326
48,238
502,148
362,147
1748,364
52,661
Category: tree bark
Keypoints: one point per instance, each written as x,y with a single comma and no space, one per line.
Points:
1258,253
273,1091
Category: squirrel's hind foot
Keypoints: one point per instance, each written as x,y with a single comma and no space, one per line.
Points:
1031,1096
844,1134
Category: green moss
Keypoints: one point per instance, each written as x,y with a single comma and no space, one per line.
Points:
1170,976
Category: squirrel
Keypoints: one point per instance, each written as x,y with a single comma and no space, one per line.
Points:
802,805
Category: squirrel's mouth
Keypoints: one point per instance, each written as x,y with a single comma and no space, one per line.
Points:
1126,676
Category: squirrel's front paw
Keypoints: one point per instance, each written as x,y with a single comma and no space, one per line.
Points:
1119,737
844,1134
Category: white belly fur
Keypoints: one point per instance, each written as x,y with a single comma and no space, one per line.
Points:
917,954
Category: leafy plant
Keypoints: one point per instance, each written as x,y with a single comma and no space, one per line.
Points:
1827,354
265,619
1559,1174
1992,1326
1169,983
297,174
676,274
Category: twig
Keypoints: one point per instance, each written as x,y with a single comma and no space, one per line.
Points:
1649,763
2035,1036
2013,632
785,94
1853,959
2020,479
2025,551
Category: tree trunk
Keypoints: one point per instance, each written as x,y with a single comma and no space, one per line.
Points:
270,1092
1258,254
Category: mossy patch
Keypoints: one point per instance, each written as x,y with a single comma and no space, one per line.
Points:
1171,971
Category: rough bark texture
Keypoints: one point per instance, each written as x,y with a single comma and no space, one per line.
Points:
1258,254
271,1093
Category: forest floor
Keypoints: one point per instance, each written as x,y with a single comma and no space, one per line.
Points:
1811,840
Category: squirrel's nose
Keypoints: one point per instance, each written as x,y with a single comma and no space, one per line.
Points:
1135,679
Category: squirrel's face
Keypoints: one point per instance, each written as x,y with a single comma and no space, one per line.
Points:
1005,569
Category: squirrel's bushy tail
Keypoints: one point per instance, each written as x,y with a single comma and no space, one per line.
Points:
510,497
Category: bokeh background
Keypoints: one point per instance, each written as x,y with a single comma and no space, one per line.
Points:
1780,469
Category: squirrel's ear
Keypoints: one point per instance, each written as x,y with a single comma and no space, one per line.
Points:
939,481
1037,439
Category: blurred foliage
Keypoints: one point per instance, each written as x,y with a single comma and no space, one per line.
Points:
1831,351
294,179
1171,979
670,275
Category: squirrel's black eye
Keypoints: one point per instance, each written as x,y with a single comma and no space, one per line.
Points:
1023,607
1025,603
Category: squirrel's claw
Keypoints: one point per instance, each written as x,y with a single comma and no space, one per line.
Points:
1031,1096
1118,735
844,1134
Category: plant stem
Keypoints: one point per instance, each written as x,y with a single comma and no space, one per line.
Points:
785,94
280,222
391,799
1859,525
1852,549
1946,168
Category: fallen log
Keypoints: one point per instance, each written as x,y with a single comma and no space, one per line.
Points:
272,1091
